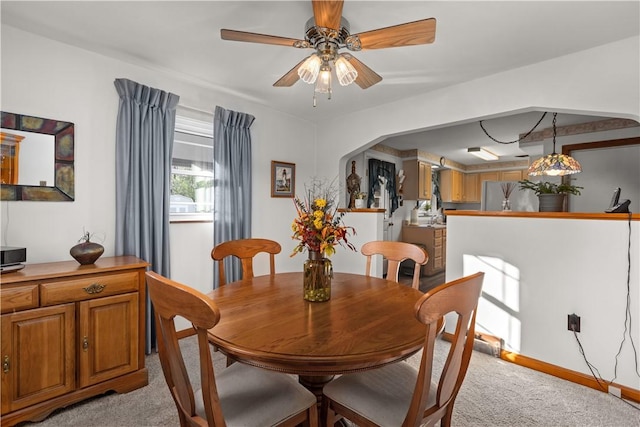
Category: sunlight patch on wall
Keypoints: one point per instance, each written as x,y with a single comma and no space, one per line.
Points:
499,305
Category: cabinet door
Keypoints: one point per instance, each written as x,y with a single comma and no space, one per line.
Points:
425,180
489,176
417,183
451,185
472,187
458,182
515,175
38,355
108,338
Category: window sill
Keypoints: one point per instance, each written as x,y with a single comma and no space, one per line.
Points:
190,218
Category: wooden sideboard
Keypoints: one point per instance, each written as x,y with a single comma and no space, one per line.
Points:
70,332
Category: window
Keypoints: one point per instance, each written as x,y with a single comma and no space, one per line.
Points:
192,171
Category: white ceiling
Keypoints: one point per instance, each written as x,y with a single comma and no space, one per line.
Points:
473,39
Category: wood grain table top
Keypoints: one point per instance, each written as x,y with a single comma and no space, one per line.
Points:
368,322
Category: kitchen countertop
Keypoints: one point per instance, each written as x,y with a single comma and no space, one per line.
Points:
425,225
553,215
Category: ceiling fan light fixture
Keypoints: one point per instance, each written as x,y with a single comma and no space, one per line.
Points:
327,32
346,73
483,153
308,71
323,82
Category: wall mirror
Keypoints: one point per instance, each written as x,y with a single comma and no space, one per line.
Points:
37,158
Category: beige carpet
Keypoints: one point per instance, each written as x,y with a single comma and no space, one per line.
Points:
495,393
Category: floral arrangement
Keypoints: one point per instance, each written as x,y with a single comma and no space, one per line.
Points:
318,226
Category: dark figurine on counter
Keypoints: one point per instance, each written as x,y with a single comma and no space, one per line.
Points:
353,185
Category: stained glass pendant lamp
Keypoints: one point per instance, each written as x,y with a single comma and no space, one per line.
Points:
555,164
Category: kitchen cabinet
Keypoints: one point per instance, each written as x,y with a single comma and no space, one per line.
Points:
489,176
472,188
513,175
434,239
417,182
507,175
451,185
70,332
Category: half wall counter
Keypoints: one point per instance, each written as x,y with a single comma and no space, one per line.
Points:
542,266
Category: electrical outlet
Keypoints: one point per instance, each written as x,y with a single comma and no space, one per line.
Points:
573,322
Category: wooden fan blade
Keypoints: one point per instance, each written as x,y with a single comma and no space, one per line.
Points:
243,36
409,34
328,13
291,77
366,76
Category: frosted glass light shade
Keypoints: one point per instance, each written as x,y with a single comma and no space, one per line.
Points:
346,73
308,71
323,83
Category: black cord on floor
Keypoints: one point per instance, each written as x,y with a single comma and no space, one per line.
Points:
601,382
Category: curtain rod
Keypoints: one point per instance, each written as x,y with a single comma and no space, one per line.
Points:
187,107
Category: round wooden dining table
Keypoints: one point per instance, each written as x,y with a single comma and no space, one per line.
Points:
367,323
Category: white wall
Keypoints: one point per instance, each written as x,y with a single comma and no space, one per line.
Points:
537,271
353,262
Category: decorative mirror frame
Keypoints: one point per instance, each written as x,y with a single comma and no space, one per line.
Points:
63,133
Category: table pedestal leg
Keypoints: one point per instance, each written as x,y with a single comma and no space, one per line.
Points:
315,384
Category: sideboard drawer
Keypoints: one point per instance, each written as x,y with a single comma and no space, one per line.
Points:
87,288
18,297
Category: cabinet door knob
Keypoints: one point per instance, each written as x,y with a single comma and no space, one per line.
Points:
6,366
85,343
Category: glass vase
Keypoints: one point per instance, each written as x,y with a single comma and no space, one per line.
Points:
317,278
506,205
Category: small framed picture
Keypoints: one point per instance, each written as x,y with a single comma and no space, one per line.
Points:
283,179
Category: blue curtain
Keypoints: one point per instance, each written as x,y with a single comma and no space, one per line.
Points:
387,170
435,177
144,144
232,184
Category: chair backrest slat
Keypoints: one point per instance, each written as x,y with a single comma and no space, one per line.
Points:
245,250
395,253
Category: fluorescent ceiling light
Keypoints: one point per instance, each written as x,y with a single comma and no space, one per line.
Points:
482,153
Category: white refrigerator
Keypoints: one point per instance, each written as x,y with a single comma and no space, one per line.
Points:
493,196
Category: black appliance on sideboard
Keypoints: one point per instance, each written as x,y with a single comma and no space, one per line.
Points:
12,258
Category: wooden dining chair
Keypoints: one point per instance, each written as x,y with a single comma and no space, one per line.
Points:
245,250
395,253
398,394
239,395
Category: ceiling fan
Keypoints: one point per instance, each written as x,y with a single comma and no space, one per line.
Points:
327,32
